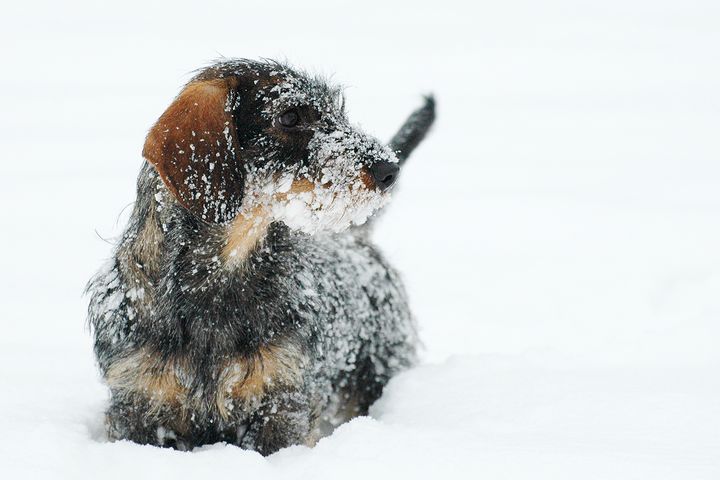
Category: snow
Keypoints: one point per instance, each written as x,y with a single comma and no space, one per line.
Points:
558,231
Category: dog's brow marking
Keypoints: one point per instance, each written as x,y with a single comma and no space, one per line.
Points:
244,233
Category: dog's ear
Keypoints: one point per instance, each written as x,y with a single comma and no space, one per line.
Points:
193,146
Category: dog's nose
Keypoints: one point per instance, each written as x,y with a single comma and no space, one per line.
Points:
385,174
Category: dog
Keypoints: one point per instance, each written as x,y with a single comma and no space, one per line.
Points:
245,302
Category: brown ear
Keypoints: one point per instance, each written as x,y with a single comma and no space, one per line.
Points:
193,146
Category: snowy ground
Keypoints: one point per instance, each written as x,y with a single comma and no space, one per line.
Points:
559,232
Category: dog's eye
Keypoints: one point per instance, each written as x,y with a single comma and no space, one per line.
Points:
289,119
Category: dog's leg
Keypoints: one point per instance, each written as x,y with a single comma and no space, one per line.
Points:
286,418
414,129
128,419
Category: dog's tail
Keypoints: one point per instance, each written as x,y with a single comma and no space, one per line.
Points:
413,130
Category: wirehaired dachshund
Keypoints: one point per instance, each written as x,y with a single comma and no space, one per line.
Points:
245,302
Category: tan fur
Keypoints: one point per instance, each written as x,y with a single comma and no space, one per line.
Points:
147,245
247,381
302,185
140,258
243,234
244,380
367,179
144,373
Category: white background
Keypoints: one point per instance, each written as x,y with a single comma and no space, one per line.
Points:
559,231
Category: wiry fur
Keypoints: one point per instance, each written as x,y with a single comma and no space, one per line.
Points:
216,321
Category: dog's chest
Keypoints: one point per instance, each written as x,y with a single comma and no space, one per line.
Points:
297,317
326,279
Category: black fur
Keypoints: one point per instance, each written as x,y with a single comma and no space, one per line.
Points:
413,130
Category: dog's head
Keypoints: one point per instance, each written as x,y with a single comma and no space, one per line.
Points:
248,136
